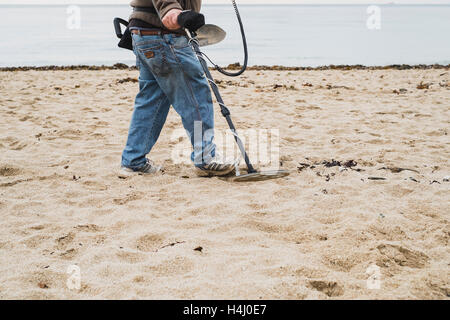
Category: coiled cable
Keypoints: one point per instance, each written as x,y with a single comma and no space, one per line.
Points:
244,41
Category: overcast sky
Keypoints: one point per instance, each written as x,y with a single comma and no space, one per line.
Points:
227,1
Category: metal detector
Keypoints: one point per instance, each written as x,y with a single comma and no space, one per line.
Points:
211,34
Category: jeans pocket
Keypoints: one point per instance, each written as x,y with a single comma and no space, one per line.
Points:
151,53
155,58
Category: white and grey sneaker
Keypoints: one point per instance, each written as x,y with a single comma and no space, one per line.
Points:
148,168
217,167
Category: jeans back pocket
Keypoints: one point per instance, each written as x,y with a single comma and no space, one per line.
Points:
153,55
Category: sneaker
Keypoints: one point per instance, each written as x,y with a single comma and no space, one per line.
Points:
217,168
148,168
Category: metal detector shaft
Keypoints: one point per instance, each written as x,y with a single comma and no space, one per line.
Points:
225,111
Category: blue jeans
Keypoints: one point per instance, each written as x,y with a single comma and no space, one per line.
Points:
170,74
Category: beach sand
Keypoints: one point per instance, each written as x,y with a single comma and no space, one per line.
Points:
318,234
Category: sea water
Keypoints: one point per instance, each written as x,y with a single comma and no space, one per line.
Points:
290,35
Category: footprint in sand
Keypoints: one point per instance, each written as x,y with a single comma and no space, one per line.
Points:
69,134
129,197
269,228
402,256
25,118
171,267
9,171
131,257
141,279
45,280
88,228
64,241
35,241
94,185
15,144
69,254
150,242
439,286
330,288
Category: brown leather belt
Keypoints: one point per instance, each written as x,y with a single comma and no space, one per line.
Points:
155,32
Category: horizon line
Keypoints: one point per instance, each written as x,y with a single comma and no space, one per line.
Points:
241,5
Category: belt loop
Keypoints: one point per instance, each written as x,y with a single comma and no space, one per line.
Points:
140,32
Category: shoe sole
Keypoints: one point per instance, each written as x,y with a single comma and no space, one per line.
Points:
129,173
212,173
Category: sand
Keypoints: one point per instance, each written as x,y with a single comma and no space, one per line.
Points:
318,234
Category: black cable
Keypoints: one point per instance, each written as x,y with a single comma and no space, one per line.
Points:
244,41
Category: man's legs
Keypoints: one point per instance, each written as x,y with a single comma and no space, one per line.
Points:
180,76
172,74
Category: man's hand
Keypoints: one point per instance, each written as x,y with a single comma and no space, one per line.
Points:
170,20
191,20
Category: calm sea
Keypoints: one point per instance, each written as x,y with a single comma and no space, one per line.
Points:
290,35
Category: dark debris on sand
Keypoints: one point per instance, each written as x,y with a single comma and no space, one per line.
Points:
125,80
237,66
343,165
334,163
117,66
